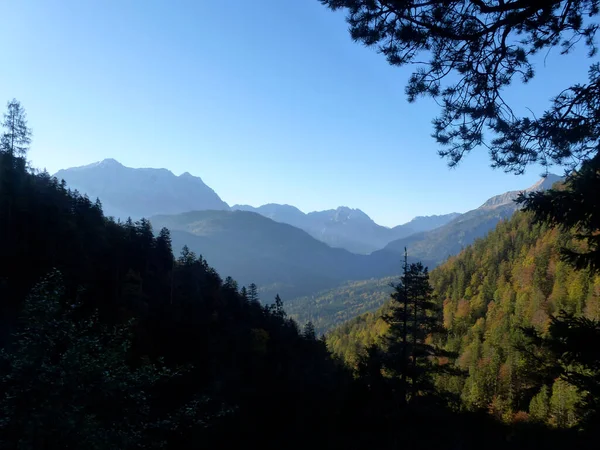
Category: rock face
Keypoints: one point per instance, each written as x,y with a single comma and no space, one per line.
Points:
127,192
508,198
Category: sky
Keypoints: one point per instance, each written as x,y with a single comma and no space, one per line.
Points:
268,101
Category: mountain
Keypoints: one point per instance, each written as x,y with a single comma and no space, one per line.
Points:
278,257
128,192
345,227
440,243
420,224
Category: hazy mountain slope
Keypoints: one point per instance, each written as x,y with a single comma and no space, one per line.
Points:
125,191
426,223
332,307
438,244
420,224
345,227
276,256
279,213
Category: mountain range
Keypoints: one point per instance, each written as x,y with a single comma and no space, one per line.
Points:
345,227
136,193
279,247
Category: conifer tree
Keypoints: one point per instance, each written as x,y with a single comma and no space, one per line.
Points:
253,292
412,319
16,137
309,331
277,308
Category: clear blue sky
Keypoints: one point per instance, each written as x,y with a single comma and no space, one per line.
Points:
266,100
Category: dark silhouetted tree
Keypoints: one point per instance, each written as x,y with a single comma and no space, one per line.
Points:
467,52
412,319
68,383
253,292
572,343
309,331
575,207
277,308
16,137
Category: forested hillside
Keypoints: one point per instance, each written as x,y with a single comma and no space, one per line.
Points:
163,319
493,290
331,307
117,344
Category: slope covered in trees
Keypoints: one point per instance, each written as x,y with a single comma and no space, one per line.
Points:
215,359
513,279
490,293
332,307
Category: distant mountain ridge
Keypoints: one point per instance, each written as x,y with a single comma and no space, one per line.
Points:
344,227
448,240
128,192
144,192
125,191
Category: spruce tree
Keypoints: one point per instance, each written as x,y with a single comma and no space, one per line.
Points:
412,319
